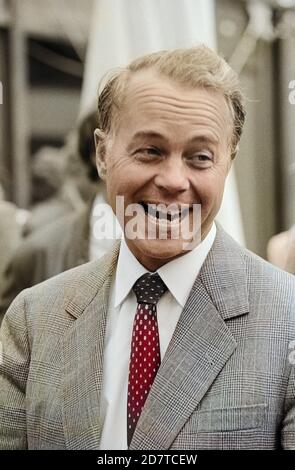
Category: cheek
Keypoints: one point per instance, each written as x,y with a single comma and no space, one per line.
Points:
124,178
117,163
205,183
209,189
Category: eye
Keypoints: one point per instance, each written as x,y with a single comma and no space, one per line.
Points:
204,157
149,152
201,159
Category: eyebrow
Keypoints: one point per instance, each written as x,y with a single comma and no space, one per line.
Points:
148,134
204,139
157,135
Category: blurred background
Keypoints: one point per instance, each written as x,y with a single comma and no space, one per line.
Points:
53,54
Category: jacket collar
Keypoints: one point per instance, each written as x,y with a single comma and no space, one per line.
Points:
92,282
224,276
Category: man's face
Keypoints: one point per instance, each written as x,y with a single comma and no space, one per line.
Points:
171,146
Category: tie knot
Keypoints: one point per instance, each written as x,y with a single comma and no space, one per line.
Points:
149,288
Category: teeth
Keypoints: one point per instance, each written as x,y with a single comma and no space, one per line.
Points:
150,209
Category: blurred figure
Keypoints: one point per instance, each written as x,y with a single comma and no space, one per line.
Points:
70,240
80,189
1,192
12,220
281,250
97,244
48,173
55,190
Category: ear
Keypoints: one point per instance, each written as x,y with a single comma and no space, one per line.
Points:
229,164
100,152
231,156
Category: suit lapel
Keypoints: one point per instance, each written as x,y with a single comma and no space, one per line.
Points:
200,347
83,347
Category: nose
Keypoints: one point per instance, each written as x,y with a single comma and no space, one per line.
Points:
172,176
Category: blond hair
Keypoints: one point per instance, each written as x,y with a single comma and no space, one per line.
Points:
196,67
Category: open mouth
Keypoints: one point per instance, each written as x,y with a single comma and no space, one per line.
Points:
160,212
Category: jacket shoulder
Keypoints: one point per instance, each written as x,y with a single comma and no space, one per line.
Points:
51,297
265,283
271,274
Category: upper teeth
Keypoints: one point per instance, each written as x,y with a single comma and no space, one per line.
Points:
153,210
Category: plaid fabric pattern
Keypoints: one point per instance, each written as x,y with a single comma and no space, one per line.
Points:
227,380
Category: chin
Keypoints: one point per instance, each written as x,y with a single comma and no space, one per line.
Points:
154,253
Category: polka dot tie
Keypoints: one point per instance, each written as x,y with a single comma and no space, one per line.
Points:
145,358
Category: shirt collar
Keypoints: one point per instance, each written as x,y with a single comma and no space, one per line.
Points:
129,270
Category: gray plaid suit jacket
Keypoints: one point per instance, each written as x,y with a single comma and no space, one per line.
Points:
226,382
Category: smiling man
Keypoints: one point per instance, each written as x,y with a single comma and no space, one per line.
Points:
179,340
171,146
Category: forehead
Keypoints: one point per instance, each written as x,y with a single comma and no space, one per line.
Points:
157,99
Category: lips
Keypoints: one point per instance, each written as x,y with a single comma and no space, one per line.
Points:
161,211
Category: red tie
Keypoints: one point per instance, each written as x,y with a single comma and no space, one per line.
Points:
145,357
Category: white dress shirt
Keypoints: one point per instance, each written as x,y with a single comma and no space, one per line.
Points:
121,312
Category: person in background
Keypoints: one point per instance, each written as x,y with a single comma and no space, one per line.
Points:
99,242
2,195
72,239
281,250
55,191
177,342
12,222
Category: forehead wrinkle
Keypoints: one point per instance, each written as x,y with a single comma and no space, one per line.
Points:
215,123
193,114
152,82
178,102
152,92
160,102
181,109
161,95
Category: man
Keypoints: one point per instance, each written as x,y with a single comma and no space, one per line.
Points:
156,346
